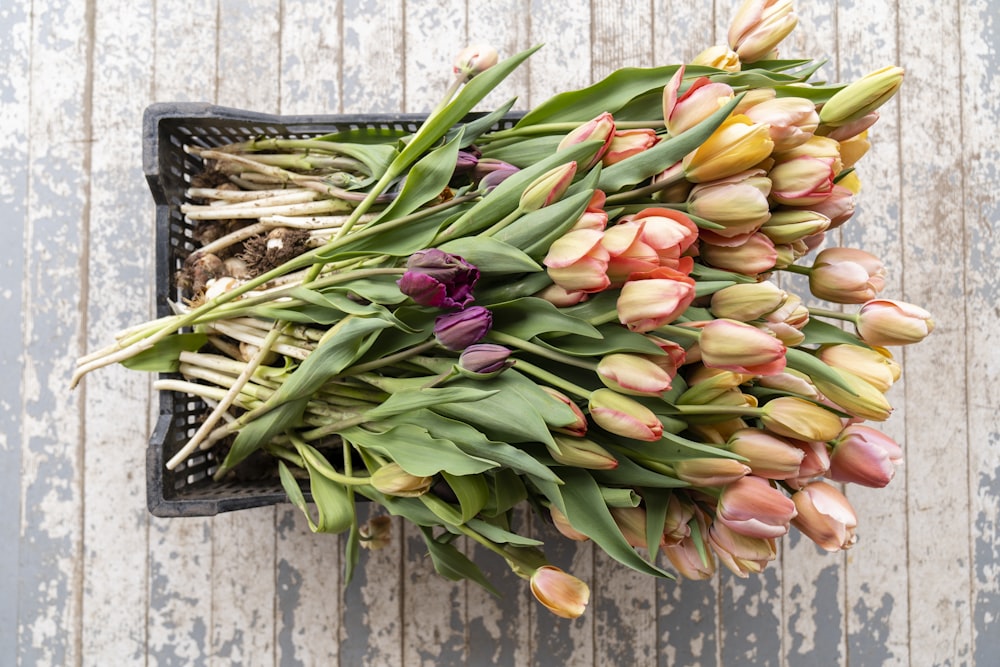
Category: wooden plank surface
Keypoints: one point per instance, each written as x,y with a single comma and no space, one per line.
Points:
92,579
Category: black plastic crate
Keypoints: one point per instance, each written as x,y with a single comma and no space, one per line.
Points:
167,127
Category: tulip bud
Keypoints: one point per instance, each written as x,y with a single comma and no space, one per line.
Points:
561,593
863,400
687,560
746,302
758,27
825,516
456,331
853,149
631,521
741,348
788,225
846,275
600,129
376,533
792,382
884,322
741,554
756,255
737,145
709,386
561,297
626,143
815,462
581,453
791,120
852,129
865,456
751,506
624,416
676,526
439,279
578,262
577,428
647,303
473,60
798,418
710,471
492,173
802,181
699,101
838,207
874,365
392,480
767,455
738,203
484,359
547,188
862,96
564,527
719,57
633,374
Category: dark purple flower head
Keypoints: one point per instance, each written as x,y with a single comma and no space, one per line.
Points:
439,279
484,358
492,173
457,331
467,160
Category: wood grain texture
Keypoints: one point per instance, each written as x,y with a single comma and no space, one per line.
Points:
92,579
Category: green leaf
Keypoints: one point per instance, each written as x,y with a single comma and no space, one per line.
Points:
506,490
523,152
587,513
818,332
491,255
162,357
425,181
333,503
451,563
473,129
417,451
648,163
472,493
535,232
805,362
408,401
613,338
530,316
620,497
656,516
498,535
630,473
399,241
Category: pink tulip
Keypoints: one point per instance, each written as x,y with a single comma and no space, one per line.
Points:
738,203
767,455
846,275
815,462
746,302
687,560
562,297
865,456
681,112
627,252
676,526
754,256
825,516
578,262
631,521
802,181
751,506
564,527
581,453
758,27
741,554
547,188
594,216
710,471
561,593
621,415
884,322
600,129
791,120
626,143
578,427
739,347
633,374
669,233
653,299
473,60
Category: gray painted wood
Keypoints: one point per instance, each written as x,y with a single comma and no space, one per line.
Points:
92,579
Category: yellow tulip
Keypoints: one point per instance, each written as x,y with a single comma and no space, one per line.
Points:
737,145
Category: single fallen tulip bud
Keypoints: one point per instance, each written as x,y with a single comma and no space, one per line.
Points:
484,358
457,331
547,188
863,455
626,143
577,428
561,593
759,26
739,203
392,480
861,97
600,129
874,365
791,121
825,516
768,455
800,419
719,57
654,299
884,322
438,279
737,145
473,60
745,302
581,453
802,181
751,506
376,533
681,112
741,348
846,275
564,527
710,471
741,554
621,415
633,374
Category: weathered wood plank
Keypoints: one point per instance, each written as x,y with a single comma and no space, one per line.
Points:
938,549
979,88
243,547
179,622
372,79
118,293
50,555
876,608
505,28
15,36
565,62
682,29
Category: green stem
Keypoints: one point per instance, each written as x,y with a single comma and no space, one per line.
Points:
552,378
511,217
388,360
795,268
330,429
685,332
834,314
328,471
646,191
538,350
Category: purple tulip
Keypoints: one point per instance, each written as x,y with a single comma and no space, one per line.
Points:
439,279
457,331
484,358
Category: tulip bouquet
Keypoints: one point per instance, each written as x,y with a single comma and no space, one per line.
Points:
584,312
